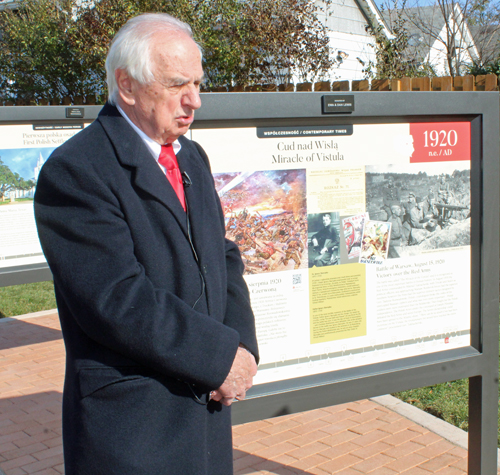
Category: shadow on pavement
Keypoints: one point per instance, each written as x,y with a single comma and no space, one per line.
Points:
30,435
245,463
25,333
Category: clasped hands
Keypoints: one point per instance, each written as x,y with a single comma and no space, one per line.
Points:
239,380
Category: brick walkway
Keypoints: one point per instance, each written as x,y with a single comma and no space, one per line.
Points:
362,437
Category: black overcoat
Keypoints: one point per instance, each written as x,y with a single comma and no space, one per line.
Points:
152,305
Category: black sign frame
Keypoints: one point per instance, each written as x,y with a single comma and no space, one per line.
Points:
478,362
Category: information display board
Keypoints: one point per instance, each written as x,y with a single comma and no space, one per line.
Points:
370,240
368,225
355,237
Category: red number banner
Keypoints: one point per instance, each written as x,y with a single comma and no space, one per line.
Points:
440,141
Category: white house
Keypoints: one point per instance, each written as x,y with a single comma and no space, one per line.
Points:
8,4
351,42
439,36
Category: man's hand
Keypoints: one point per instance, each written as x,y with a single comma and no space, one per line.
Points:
239,379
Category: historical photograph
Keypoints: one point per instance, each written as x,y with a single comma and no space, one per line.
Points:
19,169
428,205
323,239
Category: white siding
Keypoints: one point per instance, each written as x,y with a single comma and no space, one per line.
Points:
346,17
349,34
437,56
356,46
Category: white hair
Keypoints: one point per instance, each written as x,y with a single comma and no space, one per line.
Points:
130,48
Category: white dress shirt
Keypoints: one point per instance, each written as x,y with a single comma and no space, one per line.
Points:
153,147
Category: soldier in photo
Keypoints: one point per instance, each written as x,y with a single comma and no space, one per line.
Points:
399,233
391,195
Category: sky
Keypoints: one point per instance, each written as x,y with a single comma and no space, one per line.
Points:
409,3
23,160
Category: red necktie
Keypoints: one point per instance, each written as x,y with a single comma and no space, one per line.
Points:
169,161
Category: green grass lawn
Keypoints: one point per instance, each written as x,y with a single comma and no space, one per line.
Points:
448,401
26,298
18,200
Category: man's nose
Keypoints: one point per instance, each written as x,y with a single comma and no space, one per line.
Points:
192,98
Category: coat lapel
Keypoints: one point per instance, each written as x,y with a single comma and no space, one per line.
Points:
200,194
190,164
132,153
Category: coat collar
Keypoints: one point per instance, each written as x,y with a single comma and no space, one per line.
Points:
132,153
192,166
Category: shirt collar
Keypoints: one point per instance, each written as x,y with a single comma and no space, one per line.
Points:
153,147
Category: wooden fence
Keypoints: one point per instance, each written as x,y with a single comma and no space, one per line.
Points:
463,83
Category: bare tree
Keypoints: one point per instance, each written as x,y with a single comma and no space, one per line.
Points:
484,23
442,34
395,55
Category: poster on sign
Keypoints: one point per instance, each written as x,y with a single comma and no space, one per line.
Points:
23,151
356,239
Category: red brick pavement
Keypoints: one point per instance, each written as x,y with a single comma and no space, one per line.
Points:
350,439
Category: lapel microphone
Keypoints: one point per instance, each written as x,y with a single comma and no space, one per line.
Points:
186,181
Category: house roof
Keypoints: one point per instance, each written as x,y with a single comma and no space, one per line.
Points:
487,40
8,4
425,24
374,16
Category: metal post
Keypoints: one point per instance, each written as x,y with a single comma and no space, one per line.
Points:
483,407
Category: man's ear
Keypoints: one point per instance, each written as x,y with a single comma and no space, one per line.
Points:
125,87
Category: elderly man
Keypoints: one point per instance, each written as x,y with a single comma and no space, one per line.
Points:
156,317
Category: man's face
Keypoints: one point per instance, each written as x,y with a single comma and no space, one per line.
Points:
396,210
164,109
326,220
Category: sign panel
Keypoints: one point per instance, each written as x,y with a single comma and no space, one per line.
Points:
356,239
23,151
365,273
